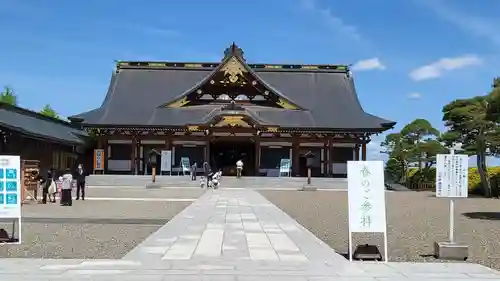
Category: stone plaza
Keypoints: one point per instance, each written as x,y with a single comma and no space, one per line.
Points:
234,234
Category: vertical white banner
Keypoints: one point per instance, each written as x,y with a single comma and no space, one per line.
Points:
366,193
452,175
166,160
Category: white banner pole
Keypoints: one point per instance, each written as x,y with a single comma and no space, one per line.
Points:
452,210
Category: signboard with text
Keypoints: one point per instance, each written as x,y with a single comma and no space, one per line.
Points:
99,160
366,196
10,187
285,166
166,160
452,175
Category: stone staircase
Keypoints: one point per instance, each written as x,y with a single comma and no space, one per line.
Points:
226,182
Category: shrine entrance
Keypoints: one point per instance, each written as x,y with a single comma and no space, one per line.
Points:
225,154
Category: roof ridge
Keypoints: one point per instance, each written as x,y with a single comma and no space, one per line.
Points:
35,114
213,65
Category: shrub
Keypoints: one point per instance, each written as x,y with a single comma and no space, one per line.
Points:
475,180
416,176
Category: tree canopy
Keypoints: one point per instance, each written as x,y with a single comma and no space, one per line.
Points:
48,111
8,96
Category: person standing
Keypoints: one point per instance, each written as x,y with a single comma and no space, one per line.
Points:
80,182
239,168
193,171
46,184
66,199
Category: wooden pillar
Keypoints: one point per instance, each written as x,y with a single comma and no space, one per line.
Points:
325,158
257,155
295,156
206,157
356,151
133,158
363,151
329,155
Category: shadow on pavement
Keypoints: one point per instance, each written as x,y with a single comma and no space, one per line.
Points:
483,215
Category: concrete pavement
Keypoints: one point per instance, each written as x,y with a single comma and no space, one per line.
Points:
235,235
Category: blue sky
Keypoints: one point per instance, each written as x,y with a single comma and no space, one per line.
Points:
410,57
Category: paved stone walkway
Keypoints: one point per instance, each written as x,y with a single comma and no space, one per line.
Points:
235,235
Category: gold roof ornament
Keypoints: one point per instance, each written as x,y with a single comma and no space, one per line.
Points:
179,103
233,69
232,121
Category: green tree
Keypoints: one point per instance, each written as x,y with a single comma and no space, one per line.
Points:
48,111
8,96
469,124
398,151
419,134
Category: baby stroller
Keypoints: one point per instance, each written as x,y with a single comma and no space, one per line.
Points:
210,179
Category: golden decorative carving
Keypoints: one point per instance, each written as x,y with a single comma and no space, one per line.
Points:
179,103
193,128
233,68
285,104
272,129
232,121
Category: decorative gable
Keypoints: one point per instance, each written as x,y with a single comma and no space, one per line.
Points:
233,80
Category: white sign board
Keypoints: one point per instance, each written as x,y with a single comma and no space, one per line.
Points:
166,160
10,187
452,175
366,196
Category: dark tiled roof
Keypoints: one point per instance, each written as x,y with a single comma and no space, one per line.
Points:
34,124
328,97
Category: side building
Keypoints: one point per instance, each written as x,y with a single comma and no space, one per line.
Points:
222,112
54,143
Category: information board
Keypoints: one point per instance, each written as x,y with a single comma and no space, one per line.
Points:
99,160
366,196
10,187
452,175
285,166
166,160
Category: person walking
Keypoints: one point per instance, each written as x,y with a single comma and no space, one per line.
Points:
239,168
80,182
67,179
48,184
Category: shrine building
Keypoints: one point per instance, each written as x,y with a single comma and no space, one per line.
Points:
224,111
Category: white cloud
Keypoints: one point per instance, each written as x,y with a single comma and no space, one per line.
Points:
439,67
478,26
414,95
330,19
368,64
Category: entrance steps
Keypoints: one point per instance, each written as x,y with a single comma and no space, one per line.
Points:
226,182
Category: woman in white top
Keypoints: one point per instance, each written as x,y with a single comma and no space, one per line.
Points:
66,197
239,168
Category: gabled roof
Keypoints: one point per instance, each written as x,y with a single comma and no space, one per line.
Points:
326,95
233,65
36,125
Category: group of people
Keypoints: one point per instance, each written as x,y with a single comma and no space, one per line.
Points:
67,180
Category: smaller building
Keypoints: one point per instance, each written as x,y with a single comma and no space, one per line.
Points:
55,143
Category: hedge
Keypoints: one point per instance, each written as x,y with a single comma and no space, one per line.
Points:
429,175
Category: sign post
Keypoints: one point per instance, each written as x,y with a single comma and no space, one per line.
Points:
366,200
166,161
285,167
10,193
99,160
451,183
185,165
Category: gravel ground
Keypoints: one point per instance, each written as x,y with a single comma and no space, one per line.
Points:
88,229
415,221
